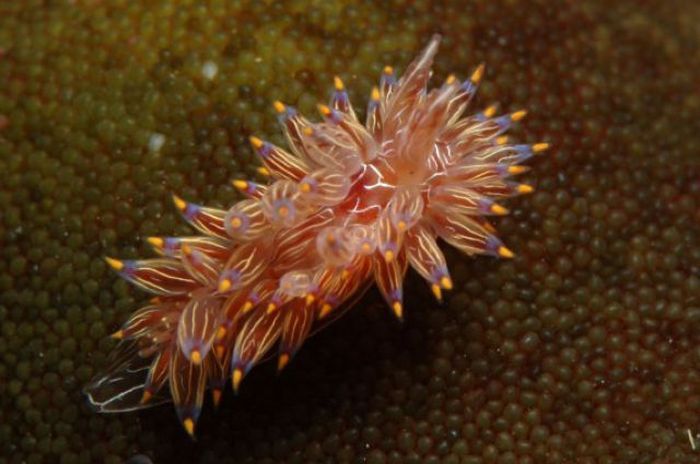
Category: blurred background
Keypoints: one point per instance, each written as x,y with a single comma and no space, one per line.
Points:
583,349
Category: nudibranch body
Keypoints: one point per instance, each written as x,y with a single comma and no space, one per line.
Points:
348,204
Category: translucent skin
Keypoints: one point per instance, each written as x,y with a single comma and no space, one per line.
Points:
348,205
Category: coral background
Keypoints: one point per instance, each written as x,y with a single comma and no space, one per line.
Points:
585,348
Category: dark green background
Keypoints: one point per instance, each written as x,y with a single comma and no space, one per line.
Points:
585,348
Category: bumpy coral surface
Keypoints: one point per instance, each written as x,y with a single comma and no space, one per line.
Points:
582,348
351,203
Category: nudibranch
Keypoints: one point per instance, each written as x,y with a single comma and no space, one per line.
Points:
348,204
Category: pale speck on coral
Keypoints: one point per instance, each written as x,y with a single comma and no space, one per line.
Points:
156,142
210,70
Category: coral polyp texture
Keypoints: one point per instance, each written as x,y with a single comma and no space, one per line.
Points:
581,349
347,205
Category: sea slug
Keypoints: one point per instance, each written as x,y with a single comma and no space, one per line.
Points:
349,204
